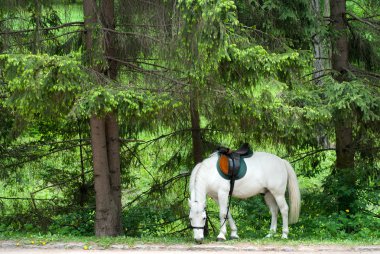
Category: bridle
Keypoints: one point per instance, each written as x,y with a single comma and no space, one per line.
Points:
195,227
192,227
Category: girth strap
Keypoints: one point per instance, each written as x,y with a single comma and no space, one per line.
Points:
235,164
232,185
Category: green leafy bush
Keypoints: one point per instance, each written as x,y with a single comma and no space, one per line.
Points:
80,223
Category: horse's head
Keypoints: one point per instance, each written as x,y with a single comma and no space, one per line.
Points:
197,219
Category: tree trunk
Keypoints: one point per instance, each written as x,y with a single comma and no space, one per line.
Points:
345,152
340,41
344,144
113,144
108,21
113,152
90,21
318,47
104,132
195,130
321,56
105,203
37,19
196,135
343,125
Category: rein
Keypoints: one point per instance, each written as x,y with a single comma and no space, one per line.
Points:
232,184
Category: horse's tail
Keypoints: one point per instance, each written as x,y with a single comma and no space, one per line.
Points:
294,194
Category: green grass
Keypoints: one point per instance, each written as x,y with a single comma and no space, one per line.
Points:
39,239
105,242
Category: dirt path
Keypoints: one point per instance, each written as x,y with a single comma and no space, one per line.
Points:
219,248
55,251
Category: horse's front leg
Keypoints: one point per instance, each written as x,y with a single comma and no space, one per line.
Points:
233,227
223,203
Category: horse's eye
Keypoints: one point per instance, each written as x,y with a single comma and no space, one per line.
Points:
204,218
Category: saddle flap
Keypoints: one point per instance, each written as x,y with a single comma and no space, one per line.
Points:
234,165
224,164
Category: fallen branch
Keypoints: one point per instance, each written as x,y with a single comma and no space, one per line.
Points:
77,23
307,154
39,199
59,183
47,39
157,187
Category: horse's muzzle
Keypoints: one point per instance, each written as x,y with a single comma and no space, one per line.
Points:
199,240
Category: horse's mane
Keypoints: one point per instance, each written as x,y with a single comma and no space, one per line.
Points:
193,175
213,154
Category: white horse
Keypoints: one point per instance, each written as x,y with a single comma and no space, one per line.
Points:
266,174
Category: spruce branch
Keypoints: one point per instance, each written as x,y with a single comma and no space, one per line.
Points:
131,33
374,26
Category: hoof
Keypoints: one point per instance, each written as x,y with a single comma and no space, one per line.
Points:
234,237
284,236
219,239
271,233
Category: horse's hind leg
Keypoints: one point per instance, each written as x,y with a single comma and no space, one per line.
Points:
271,203
284,209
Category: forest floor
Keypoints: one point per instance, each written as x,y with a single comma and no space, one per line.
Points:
209,248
